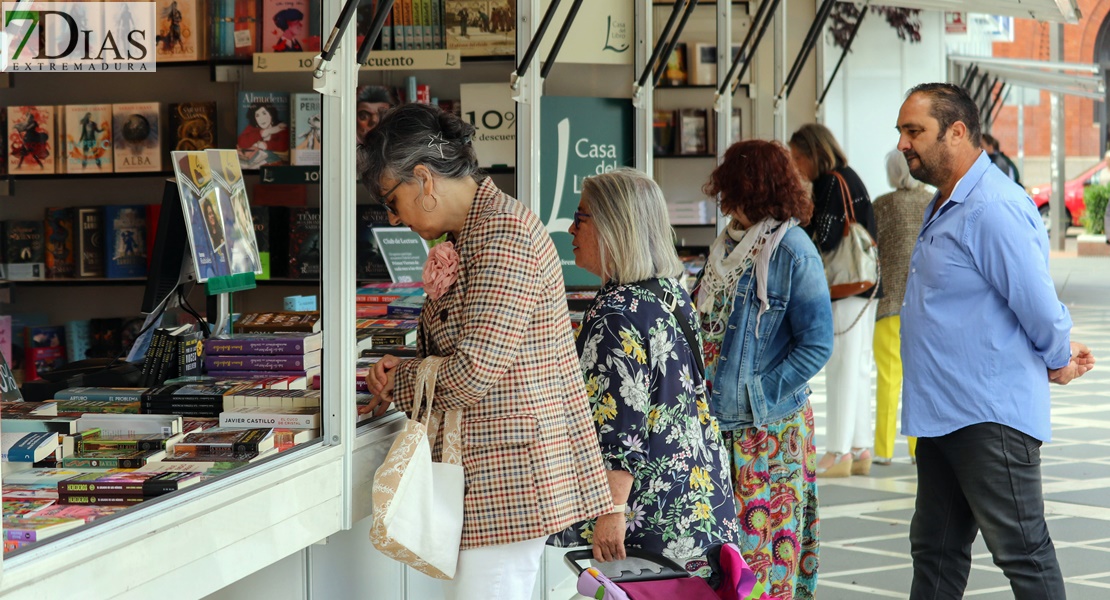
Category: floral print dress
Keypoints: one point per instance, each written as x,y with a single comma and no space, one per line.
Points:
649,406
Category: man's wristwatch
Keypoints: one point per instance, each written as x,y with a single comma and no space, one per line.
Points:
619,509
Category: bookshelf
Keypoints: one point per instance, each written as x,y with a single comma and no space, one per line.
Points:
684,153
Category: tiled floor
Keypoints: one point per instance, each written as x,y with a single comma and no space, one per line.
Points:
865,550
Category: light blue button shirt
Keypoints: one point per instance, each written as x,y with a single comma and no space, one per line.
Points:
981,324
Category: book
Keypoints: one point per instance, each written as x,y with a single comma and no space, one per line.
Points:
693,131
45,350
263,235
106,499
663,132
86,514
223,441
31,423
111,424
301,377
192,125
292,343
234,207
14,408
60,262
477,28
304,243
490,108
408,307
24,249
368,258
104,338
149,441
674,72
203,214
4,142
307,120
262,362
36,529
28,447
80,407
246,36
137,137
89,251
273,398
189,351
147,484
31,140
88,138
101,394
26,507
384,293
112,459
274,322
263,137
287,26
78,335
180,31
257,416
125,232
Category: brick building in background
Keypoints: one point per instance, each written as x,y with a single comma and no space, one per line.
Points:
1084,118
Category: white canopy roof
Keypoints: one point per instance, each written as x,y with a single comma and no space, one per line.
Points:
1066,11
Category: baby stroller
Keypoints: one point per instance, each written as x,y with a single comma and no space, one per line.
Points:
732,579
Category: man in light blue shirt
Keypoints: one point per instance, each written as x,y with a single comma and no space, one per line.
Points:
983,334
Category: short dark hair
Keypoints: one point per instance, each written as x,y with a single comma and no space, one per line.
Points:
951,103
991,141
374,94
417,134
759,179
287,16
268,107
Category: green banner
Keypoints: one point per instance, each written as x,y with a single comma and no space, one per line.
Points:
580,137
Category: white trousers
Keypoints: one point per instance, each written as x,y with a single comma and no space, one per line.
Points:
848,377
505,571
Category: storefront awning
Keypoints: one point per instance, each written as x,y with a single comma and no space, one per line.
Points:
1075,79
1066,11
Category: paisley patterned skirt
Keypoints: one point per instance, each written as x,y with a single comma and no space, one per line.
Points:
773,474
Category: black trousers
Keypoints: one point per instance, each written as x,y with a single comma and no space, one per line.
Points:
982,477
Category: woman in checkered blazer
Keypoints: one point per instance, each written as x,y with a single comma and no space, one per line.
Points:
530,452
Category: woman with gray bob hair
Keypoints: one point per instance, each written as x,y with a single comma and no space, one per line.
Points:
641,361
633,228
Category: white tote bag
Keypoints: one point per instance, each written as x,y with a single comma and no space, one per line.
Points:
418,504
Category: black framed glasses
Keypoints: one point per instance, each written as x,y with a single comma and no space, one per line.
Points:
384,198
579,216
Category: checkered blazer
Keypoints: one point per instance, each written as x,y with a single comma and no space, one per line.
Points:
530,452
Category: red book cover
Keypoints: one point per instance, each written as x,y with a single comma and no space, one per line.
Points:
246,27
60,261
279,194
45,350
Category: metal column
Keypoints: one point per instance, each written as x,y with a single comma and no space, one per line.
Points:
781,132
1058,148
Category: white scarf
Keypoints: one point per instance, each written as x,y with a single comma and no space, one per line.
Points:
753,246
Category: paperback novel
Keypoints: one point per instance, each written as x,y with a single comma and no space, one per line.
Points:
263,129
136,135
88,138
31,141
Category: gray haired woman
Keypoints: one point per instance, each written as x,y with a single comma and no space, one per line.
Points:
641,361
497,312
898,216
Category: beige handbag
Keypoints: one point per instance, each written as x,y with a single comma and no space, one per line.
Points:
853,266
418,504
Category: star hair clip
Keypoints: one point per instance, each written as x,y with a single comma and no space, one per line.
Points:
437,142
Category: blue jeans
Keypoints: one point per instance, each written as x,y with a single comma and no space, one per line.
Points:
985,476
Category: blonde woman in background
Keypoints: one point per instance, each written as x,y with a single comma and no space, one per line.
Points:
898,217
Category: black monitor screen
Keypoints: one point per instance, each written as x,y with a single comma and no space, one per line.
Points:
170,250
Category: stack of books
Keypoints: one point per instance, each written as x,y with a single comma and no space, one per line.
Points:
172,353
121,489
295,355
373,299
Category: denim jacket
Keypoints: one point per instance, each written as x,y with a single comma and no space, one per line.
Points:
760,380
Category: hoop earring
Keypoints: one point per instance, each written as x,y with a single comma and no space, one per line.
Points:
425,199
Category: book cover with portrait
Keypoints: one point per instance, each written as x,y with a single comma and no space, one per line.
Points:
137,137
231,191
88,137
31,141
307,128
263,137
480,27
179,36
203,217
287,26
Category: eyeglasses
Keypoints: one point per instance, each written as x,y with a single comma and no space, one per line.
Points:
384,198
578,216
